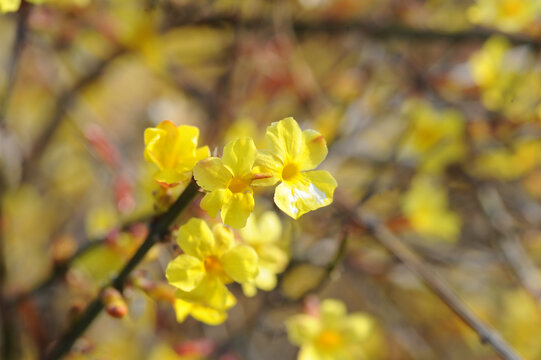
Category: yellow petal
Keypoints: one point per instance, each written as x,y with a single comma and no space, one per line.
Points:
185,272
265,228
208,315
202,153
249,290
284,139
267,161
9,5
315,150
266,279
310,191
241,263
213,201
310,352
210,292
239,156
272,257
224,238
195,238
169,178
358,326
211,174
332,312
302,329
182,309
237,208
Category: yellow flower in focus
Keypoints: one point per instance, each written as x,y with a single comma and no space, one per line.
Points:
506,15
211,260
263,233
333,335
426,207
229,180
291,153
174,150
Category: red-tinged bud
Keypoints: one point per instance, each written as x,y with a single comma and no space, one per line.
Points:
260,176
112,237
125,200
63,248
139,231
114,303
311,305
198,347
398,223
101,145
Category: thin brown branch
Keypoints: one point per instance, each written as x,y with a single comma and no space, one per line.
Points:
158,229
368,28
509,242
401,251
63,102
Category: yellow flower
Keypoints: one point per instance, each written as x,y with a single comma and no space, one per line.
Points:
229,180
435,136
174,150
333,335
263,233
488,63
507,15
291,152
211,260
426,207
9,5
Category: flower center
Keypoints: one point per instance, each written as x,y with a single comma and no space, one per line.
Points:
511,7
213,265
329,339
238,184
290,171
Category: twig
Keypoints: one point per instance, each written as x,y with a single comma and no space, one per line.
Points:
399,249
157,230
368,28
18,44
63,102
509,242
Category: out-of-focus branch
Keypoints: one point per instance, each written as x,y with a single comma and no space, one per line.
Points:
64,101
158,229
62,267
368,28
13,65
401,251
509,242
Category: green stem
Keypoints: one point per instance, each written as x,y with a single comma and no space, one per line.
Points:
157,230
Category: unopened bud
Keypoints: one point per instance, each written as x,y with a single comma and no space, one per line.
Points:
114,303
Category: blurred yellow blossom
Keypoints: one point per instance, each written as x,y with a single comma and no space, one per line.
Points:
211,260
511,162
263,232
291,153
434,136
174,150
506,15
229,180
425,205
332,335
487,63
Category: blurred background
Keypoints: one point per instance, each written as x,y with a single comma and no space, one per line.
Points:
431,111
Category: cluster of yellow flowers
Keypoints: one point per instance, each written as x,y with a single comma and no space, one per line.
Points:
508,78
212,257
